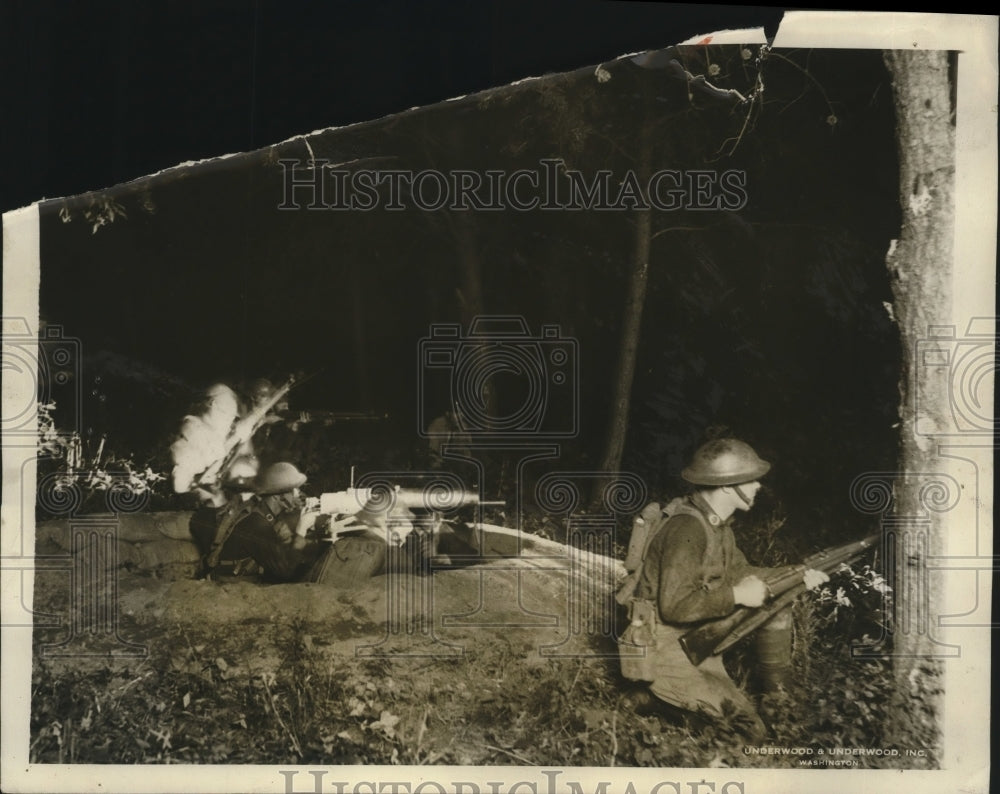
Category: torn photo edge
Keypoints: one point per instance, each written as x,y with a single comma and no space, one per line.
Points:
967,717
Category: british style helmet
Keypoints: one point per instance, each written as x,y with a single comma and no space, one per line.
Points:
725,461
279,478
242,474
261,389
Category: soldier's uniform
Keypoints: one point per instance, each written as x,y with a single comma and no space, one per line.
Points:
688,573
259,448
270,540
262,528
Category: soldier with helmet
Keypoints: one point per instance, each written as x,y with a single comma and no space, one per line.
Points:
269,526
260,392
693,571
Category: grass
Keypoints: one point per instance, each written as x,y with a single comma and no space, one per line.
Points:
198,699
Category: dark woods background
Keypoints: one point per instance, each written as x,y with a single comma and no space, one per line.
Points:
769,322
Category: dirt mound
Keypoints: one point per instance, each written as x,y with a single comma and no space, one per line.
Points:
396,668
546,598
391,612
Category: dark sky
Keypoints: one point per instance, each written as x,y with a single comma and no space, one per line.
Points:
101,92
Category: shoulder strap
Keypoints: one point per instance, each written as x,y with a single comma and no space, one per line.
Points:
646,526
642,532
233,515
675,506
688,509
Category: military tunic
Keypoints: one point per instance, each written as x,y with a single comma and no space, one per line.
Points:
687,575
266,537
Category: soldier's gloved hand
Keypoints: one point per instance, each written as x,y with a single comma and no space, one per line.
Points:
749,591
814,578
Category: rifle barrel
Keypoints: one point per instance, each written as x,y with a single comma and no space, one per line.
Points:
829,559
716,636
784,579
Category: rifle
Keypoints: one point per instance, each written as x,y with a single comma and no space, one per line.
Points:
784,586
243,431
327,418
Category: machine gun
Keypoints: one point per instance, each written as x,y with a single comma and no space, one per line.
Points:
395,510
784,586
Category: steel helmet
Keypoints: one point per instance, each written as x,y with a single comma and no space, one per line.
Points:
279,478
725,461
242,473
261,389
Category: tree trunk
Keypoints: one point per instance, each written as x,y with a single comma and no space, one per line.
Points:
921,268
631,326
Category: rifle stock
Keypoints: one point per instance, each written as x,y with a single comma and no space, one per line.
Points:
700,642
758,618
716,636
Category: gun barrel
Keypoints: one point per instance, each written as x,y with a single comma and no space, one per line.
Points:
348,501
829,559
784,579
714,637
383,500
435,500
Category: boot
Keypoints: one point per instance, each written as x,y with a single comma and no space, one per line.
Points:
774,664
773,644
751,726
641,701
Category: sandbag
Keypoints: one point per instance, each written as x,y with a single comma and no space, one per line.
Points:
165,552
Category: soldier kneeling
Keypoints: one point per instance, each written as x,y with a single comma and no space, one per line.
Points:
692,571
